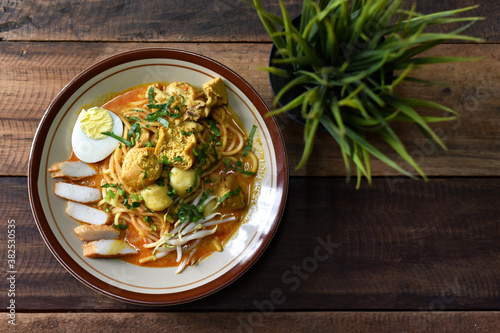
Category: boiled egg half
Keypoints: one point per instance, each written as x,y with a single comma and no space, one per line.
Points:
89,144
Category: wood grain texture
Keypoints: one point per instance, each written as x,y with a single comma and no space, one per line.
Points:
179,21
98,20
380,322
399,245
35,72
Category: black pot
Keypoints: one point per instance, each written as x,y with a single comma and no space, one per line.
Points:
278,82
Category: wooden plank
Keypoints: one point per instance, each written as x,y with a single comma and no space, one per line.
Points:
486,29
160,21
399,245
444,322
34,73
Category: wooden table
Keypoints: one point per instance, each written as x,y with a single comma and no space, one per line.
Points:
406,255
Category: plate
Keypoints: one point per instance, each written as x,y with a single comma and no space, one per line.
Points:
114,277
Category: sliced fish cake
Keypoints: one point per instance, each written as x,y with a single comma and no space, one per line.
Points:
107,248
86,213
71,169
78,193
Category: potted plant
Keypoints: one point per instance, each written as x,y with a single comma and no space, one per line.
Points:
343,60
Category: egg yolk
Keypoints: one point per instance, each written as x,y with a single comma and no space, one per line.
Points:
95,121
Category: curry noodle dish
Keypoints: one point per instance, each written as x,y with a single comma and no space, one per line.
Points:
160,175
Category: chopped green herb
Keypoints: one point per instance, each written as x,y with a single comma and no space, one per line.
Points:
248,173
248,146
186,133
164,106
132,120
122,192
120,226
178,159
136,197
183,100
215,154
111,194
230,193
153,116
162,111
149,144
213,127
156,106
202,154
122,140
195,184
235,167
134,133
164,122
150,95
201,207
172,192
174,115
144,178
108,185
165,160
188,212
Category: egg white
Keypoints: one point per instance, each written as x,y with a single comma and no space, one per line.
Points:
91,151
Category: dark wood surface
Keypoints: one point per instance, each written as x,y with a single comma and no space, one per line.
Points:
407,255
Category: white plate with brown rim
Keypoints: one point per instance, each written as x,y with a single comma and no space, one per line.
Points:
116,278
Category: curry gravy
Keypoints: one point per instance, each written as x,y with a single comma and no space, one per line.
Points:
224,231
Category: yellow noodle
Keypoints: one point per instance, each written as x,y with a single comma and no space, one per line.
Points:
211,170
222,129
224,135
231,150
141,102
